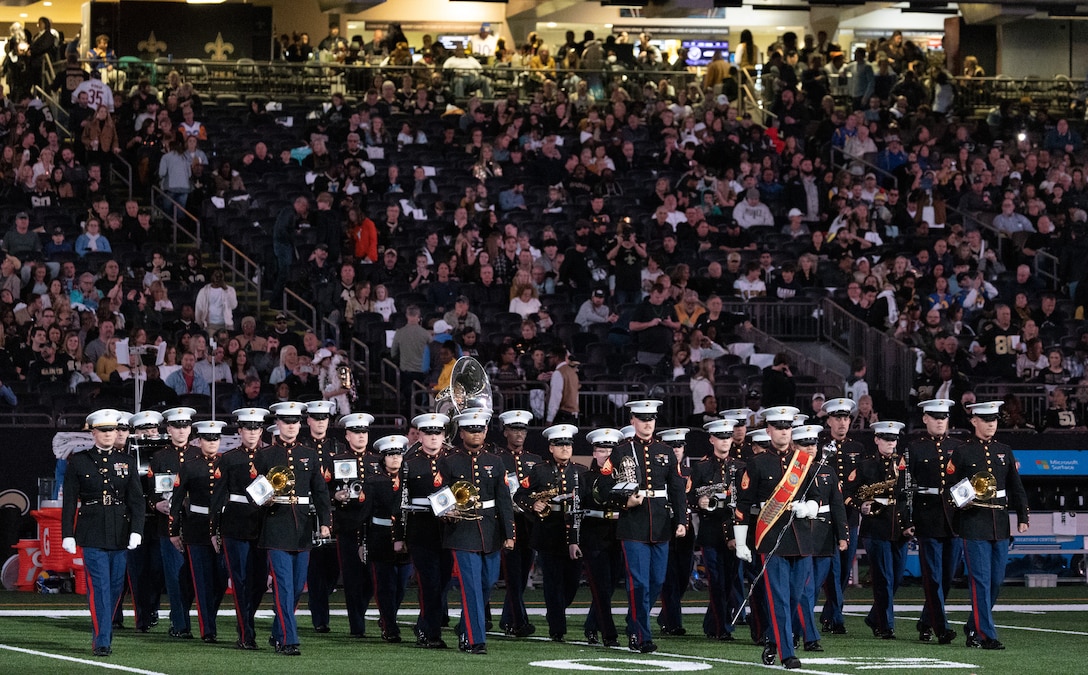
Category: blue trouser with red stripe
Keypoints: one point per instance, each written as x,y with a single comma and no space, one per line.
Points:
985,573
677,578
288,570
105,577
248,570
784,583
937,557
477,573
886,562
721,568
433,569
603,570
178,584
645,566
821,567
209,585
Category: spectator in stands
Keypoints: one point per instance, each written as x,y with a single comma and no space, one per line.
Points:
595,311
19,241
215,304
1063,139
779,387
1055,374
750,285
460,317
1060,414
1009,221
753,212
652,324
187,380
864,416
467,74
856,386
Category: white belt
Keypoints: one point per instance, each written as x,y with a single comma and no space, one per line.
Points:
882,500
489,504
653,493
421,501
1000,494
239,499
202,510
929,491
720,495
418,509
826,508
291,500
387,522
607,515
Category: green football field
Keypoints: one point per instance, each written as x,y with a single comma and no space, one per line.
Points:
1044,629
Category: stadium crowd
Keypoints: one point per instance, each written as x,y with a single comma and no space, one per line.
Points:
612,217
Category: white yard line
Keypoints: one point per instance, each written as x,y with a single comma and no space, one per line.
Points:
86,662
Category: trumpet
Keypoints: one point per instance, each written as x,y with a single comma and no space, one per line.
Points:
282,479
347,381
545,496
711,490
467,497
354,489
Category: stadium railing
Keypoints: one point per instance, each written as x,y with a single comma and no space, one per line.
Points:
891,363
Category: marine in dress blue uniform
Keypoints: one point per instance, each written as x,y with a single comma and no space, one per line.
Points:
350,517
191,528
758,441
474,542
175,567
885,523
120,444
422,530
681,548
555,535
145,578
772,502
597,541
386,551
324,567
984,522
236,522
517,563
103,488
652,511
829,537
287,527
848,454
716,526
939,548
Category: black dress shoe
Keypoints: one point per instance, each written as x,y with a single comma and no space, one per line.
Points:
210,639
887,634
769,655
946,637
438,643
612,642
181,634
143,629
272,643
665,630
241,644
838,629
813,646
291,650
102,651
791,663
591,638
524,630
648,647
391,639
556,637
321,629
462,643
632,643
973,641
992,644
479,650
925,635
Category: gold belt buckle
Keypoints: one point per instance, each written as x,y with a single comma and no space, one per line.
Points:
107,499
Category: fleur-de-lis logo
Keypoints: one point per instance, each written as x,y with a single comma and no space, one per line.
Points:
151,45
219,49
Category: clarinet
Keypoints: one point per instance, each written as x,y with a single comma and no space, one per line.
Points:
908,483
577,507
732,496
405,509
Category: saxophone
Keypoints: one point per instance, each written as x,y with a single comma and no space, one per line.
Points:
867,493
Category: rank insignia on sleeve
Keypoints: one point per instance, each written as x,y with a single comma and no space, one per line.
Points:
951,468
606,470
525,482
744,481
438,480
217,474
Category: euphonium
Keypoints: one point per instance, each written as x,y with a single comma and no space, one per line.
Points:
985,485
282,479
467,497
469,387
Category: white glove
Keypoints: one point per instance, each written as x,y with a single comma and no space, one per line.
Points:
134,540
69,544
807,509
743,552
